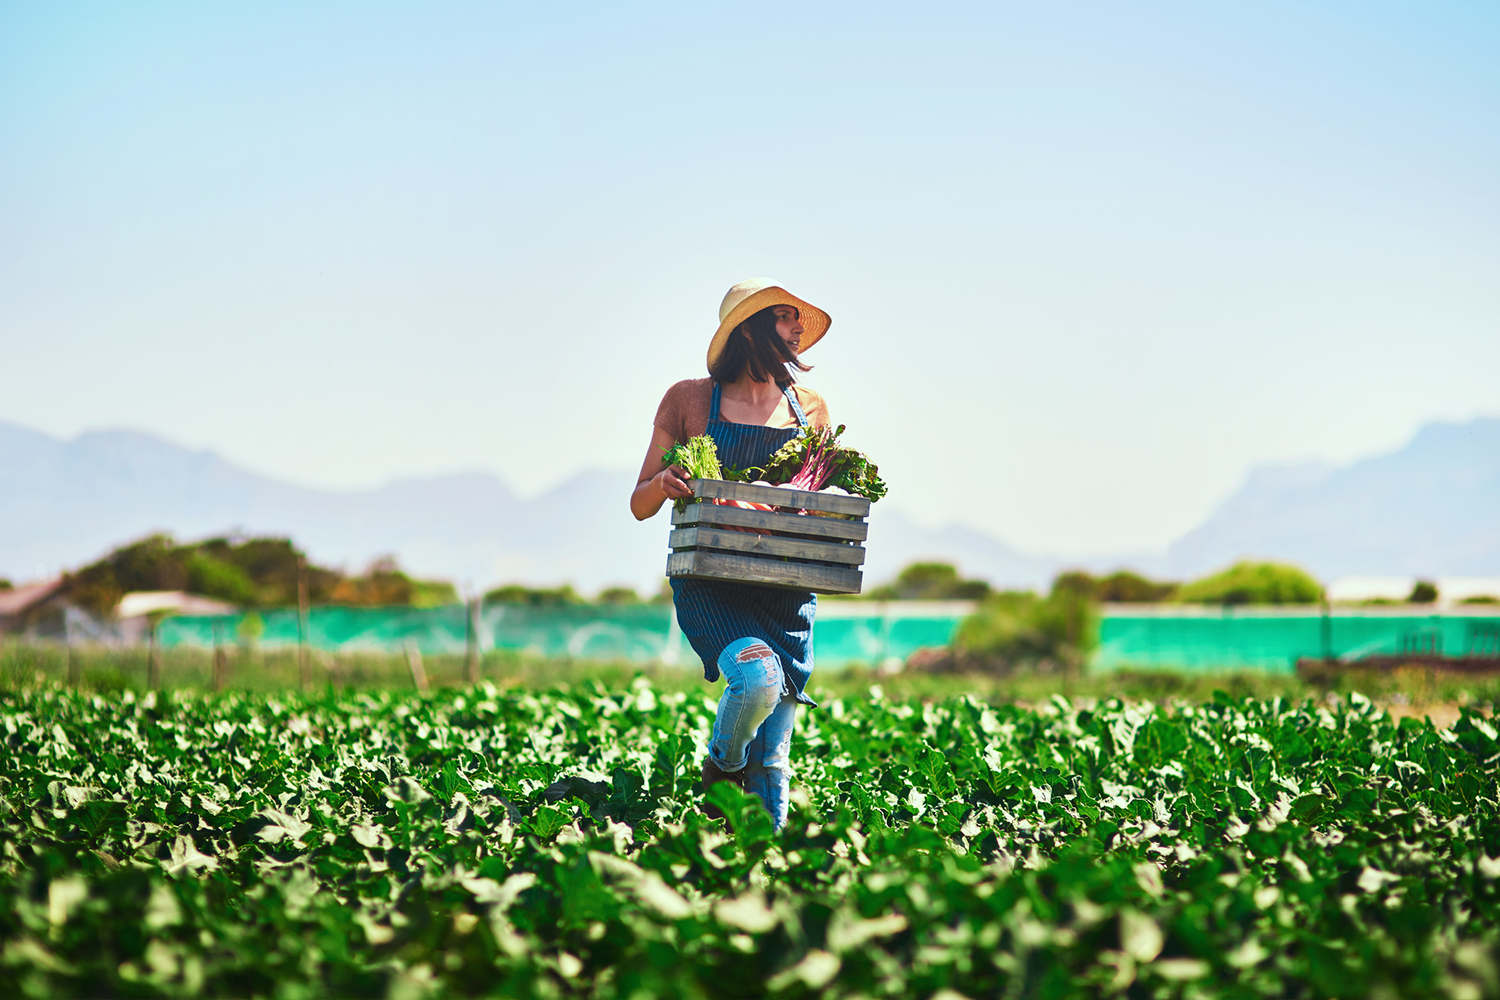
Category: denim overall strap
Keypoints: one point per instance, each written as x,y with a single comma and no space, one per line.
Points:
791,397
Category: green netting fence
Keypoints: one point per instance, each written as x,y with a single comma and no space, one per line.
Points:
874,633
846,631
1275,638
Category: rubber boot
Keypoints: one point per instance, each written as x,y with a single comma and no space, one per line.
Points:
712,776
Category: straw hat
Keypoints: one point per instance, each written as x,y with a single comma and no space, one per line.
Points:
751,296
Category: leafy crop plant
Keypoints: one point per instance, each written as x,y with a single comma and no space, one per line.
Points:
550,845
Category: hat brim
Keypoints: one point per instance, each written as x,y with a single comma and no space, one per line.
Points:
815,322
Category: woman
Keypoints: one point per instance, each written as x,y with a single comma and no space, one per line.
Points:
759,638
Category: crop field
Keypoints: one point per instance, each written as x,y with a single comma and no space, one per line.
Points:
494,842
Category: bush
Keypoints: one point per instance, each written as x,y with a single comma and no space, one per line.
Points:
1123,587
216,578
1017,629
1126,587
385,584
930,582
515,593
433,594
1425,592
250,572
1254,583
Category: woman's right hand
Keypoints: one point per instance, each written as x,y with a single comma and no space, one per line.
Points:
655,485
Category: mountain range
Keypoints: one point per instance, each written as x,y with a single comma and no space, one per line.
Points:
1431,507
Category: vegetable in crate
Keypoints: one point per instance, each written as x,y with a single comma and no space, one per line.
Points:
699,458
816,460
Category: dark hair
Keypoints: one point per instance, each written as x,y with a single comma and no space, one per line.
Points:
763,352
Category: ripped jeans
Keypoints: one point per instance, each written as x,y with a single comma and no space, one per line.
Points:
753,727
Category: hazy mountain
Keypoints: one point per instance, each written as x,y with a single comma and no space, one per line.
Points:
1431,508
896,541
64,503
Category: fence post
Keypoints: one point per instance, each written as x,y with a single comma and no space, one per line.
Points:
221,657
671,650
304,666
153,657
473,664
414,663
74,668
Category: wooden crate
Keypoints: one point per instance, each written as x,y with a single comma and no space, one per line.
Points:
790,551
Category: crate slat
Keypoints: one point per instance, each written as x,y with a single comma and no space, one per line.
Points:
773,521
702,564
706,537
776,496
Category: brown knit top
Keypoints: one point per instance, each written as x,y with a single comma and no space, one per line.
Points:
683,412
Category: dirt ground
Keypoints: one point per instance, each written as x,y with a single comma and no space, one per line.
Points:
1442,714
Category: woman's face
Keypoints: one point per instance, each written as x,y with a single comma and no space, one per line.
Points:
789,327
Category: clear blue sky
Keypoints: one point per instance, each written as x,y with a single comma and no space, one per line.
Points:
1087,262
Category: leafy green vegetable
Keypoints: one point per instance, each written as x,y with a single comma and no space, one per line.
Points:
550,844
699,458
816,459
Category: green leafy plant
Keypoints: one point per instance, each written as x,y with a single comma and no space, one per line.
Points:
550,844
816,459
699,458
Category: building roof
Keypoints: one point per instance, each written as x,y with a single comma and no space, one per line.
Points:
144,602
23,599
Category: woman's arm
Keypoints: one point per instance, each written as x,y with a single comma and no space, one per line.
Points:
656,485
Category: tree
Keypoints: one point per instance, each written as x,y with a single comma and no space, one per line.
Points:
1424,592
216,578
1125,587
1254,583
930,581
516,593
1122,587
249,572
618,595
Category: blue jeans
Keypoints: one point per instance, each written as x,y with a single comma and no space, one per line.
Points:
753,727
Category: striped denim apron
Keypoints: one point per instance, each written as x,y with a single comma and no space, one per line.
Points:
711,613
